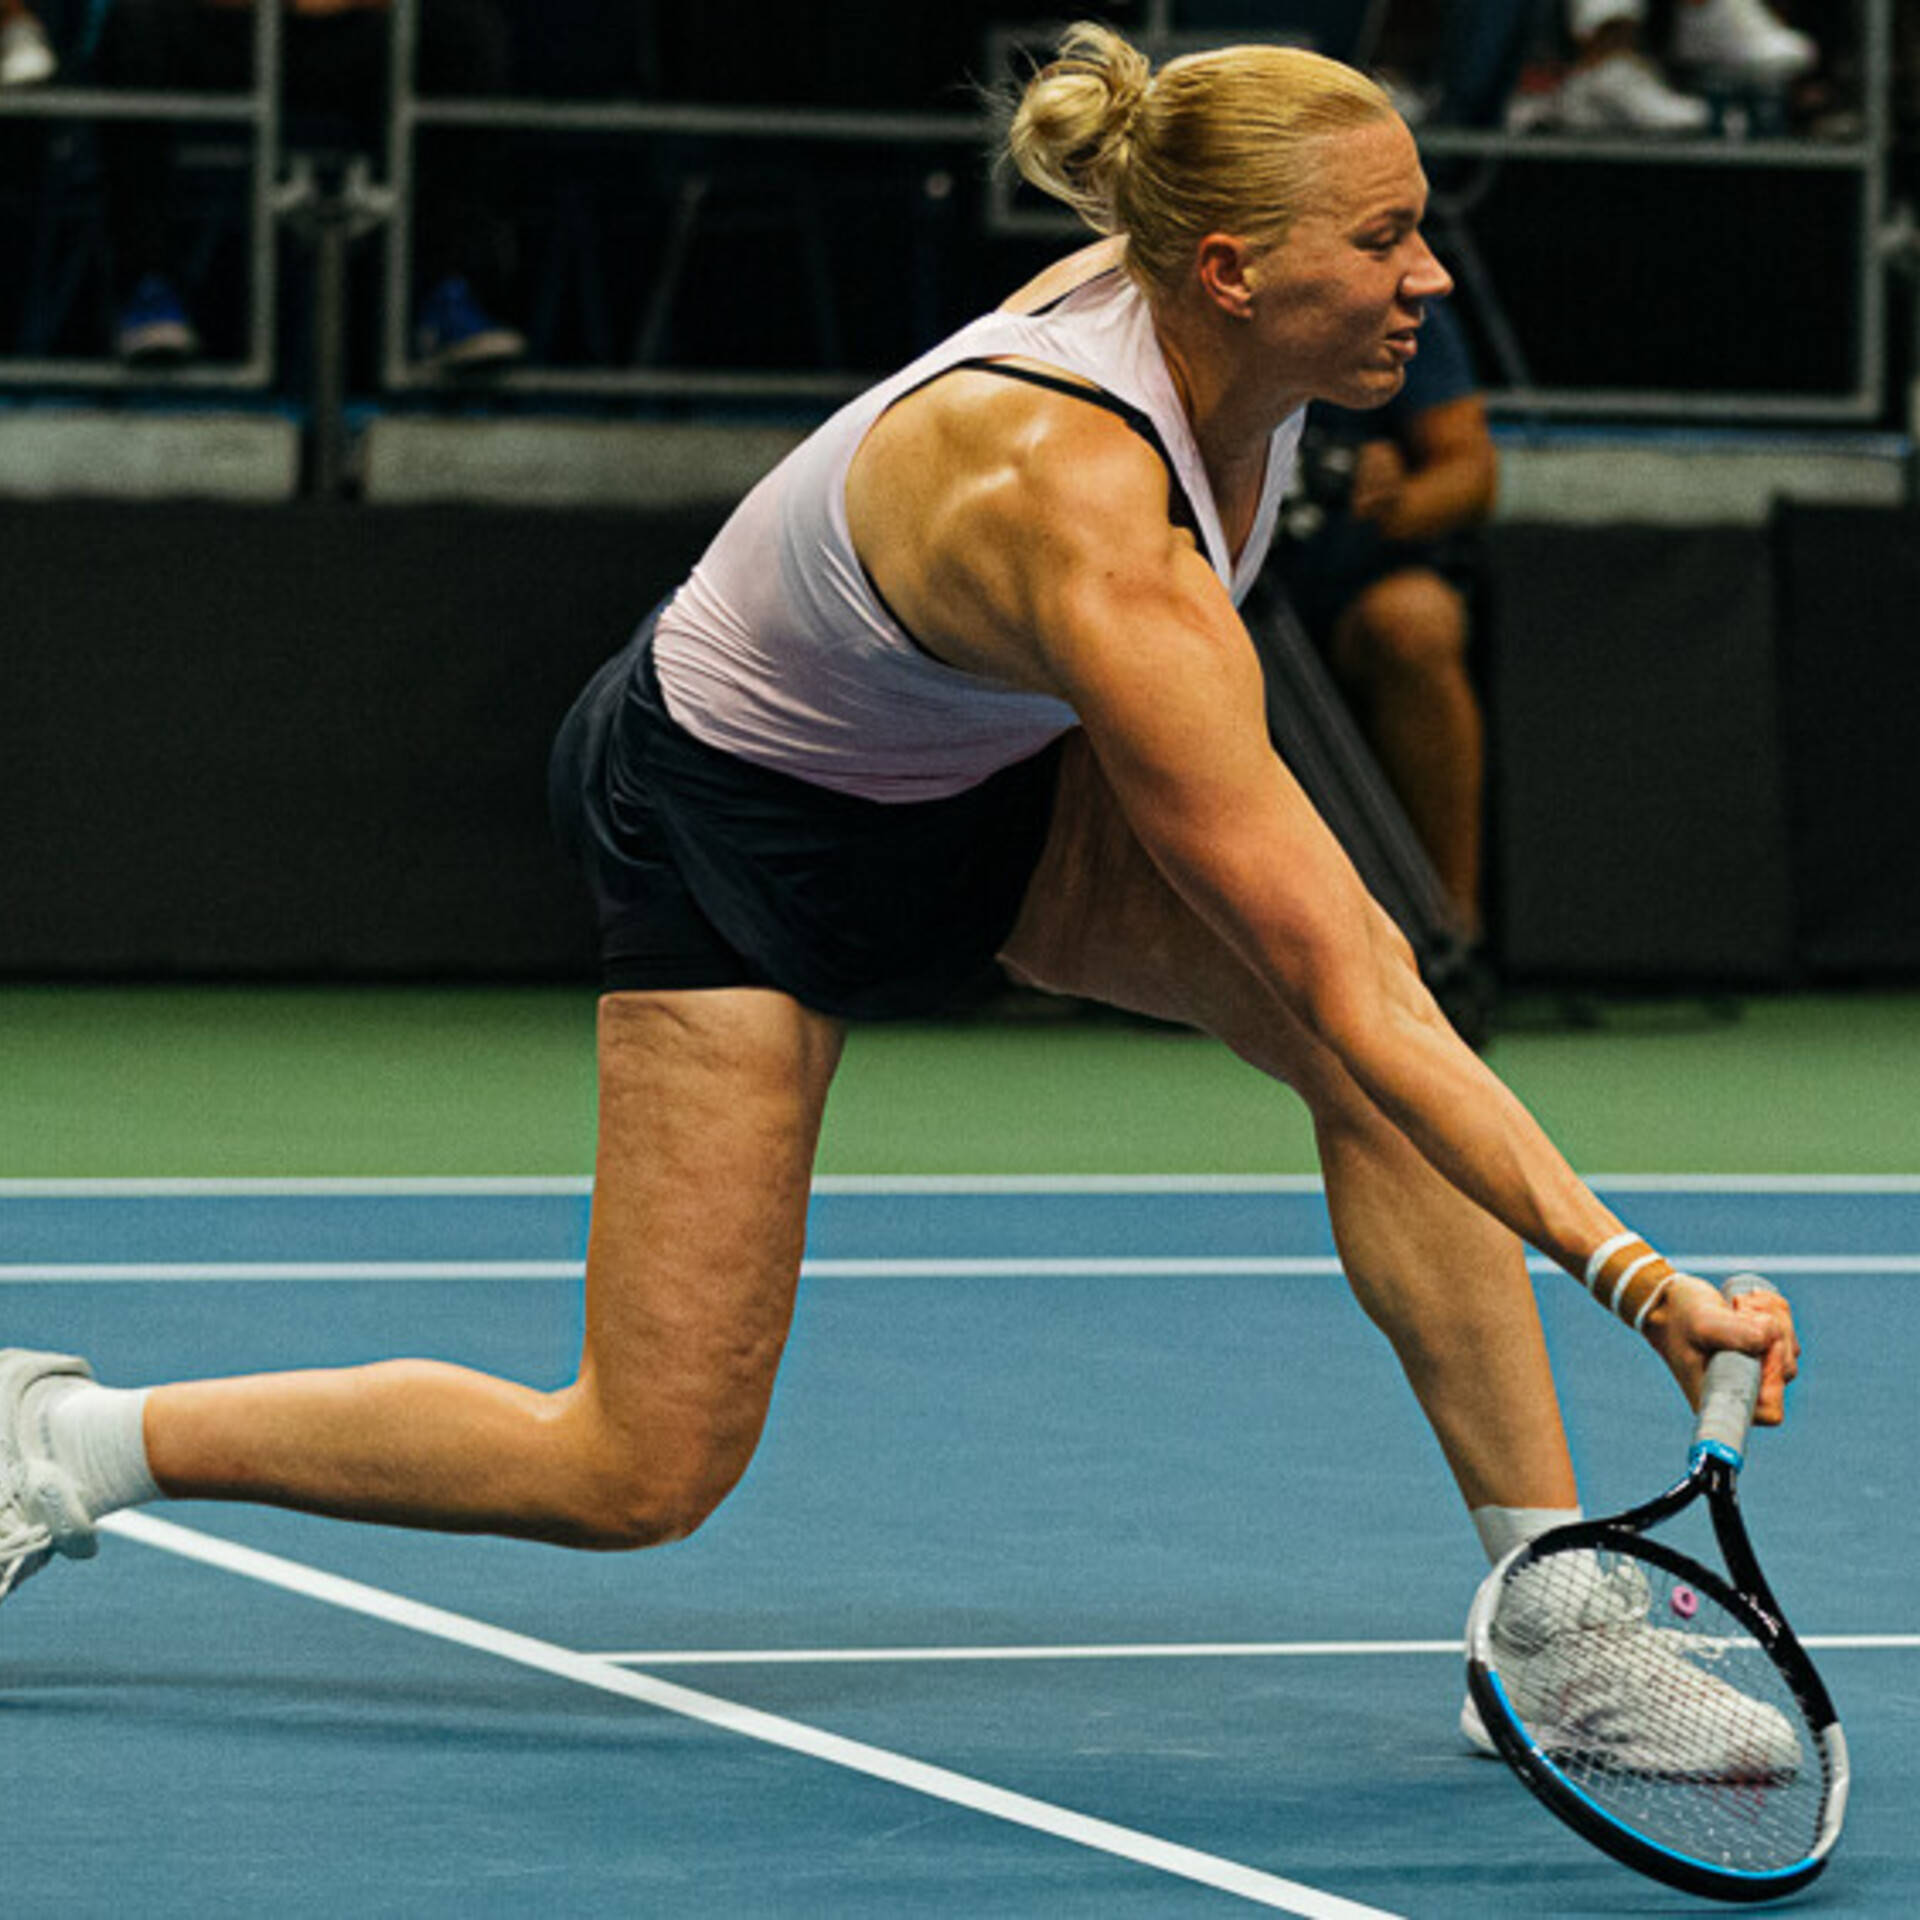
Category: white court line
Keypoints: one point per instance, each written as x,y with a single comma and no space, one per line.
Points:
510,1186
1256,1183
587,1670
505,1186
22,1273
292,1187
886,1656
1173,1650
988,1267
963,1267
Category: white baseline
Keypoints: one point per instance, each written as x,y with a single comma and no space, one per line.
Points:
1147,1650
533,1186
957,1267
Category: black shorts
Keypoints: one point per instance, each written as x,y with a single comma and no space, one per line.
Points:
708,871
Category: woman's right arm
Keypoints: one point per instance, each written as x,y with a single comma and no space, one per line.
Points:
1129,623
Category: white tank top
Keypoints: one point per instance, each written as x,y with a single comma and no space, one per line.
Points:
779,650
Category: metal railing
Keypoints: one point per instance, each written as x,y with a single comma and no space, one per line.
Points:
255,115
412,115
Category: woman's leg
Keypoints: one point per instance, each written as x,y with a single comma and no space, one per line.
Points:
710,1108
1401,647
1444,1280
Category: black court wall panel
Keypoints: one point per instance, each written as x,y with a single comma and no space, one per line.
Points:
251,741
1850,677
301,741
1640,831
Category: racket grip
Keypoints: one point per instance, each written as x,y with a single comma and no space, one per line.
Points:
1732,1384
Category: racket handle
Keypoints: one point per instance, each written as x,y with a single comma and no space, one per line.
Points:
1732,1385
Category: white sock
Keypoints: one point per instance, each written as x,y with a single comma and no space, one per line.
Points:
1501,1529
97,1435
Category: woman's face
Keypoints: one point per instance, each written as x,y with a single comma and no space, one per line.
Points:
1339,302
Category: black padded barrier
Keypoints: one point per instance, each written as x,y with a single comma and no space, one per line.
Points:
311,741
302,741
1850,680
1640,829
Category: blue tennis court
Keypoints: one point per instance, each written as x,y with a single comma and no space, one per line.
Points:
1097,1562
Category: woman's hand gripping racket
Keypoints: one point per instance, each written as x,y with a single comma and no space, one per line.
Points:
1661,1709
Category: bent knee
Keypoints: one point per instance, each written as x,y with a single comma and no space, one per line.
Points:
632,1502
1414,622
633,1526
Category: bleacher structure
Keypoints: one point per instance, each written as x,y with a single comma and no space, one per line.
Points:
759,171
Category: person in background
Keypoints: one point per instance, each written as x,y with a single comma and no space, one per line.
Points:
26,54
1614,86
1381,576
335,62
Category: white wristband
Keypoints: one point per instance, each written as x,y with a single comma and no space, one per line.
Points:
1605,1252
1620,1286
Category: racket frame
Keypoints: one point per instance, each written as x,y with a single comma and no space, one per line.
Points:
1712,1474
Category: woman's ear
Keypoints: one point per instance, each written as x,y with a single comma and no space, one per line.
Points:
1224,267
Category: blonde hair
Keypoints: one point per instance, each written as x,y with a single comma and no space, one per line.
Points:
1210,143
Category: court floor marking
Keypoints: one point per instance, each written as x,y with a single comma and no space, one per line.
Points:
507,1186
963,1267
1171,1650
878,1763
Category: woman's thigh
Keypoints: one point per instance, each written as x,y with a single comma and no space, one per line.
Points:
1101,922
710,1106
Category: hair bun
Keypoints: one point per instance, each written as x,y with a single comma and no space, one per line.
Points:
1069,134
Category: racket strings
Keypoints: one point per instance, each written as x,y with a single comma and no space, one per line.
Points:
1658,1705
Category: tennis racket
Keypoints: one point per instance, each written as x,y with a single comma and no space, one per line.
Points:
1664,1710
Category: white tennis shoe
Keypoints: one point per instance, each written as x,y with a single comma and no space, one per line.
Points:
41,1512
1742,40
26,55
1627,93
1650,1707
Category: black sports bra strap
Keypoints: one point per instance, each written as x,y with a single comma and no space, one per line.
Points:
1180,506
1074,390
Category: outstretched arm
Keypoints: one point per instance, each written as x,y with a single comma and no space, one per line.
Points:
1026,537
1145,643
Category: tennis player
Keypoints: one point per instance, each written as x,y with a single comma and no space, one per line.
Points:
964,677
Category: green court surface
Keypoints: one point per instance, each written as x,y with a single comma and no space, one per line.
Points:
211,1081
